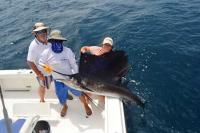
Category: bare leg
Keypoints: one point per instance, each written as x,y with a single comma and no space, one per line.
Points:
41,91
102,99
86,98
64,110
87,108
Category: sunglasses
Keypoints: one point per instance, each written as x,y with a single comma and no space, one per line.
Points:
41,31
107,44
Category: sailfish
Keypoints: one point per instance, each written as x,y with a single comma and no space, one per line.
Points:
102,75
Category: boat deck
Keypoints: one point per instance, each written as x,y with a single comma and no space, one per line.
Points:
74,122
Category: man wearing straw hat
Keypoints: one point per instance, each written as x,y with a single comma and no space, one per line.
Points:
37,46
62,60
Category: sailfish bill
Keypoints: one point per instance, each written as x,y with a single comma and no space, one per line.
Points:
98,87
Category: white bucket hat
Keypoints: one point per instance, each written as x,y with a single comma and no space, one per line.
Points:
56,35
39,26
108,40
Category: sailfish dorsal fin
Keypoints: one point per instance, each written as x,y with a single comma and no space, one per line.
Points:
109,67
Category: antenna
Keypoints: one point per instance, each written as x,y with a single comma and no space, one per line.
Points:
5,113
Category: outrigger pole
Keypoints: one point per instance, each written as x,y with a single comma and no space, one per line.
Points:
5,113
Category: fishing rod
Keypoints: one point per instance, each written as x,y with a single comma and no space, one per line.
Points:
5,113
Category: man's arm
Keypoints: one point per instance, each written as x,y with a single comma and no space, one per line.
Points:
35,69
85,49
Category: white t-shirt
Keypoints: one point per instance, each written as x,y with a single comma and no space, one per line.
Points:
34,52
63,62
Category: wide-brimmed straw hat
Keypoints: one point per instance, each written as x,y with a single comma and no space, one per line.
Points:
39,26
56,35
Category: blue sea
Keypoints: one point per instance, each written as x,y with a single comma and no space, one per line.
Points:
161,37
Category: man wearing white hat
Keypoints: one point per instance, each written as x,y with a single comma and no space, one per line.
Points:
62,60
37,46
106,46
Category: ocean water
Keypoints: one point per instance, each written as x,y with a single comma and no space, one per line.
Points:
162,39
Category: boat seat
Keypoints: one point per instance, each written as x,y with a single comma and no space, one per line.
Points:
16,126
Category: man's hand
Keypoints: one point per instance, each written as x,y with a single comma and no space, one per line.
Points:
35,69
85,49
41,77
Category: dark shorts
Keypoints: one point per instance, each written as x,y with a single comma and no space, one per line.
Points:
46,83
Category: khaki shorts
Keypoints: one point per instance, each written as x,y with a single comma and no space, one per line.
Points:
46,83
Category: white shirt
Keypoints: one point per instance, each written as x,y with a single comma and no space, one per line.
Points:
34,52
63,62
